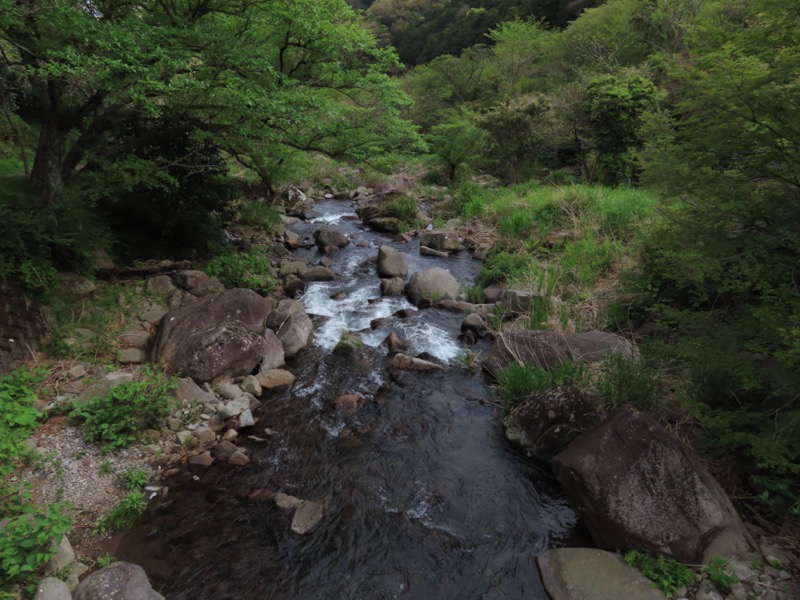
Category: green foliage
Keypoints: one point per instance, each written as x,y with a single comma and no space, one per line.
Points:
18,417
123,514
518,224
106,560
28,535
135,479
667,574
628,379
503,266
457,141
719,575
403,208
518,381
616,107
115,420
260,215
243,269
585,260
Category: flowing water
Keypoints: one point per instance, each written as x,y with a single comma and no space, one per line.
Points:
422,496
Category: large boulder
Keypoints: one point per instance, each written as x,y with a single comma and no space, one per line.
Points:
546,423
391,263
637,487
552,348
229,349
178,326
431,286
330,240
120,581
443,241
292,326
221,335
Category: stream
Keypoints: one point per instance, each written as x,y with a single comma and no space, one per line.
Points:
423,496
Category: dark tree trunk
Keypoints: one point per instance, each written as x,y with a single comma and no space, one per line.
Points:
48,164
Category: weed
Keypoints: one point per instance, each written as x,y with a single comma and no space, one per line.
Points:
106,468
135,479
667,574
719,575
474,294
106,560
518,381
243,269
116,419
628,379
124,513
469,360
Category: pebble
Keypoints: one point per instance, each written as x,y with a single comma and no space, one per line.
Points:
238,459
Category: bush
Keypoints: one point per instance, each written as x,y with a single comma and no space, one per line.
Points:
250,270
259,214
135,479
116,419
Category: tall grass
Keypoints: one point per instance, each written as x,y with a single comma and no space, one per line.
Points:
519,381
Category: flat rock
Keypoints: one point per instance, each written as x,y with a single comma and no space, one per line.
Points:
404,362
104,386
234,407
131,356
306,516
120,581
275,379
589,574
443,241
135,339
200,462
238,459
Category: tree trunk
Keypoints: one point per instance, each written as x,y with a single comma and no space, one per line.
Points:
48,164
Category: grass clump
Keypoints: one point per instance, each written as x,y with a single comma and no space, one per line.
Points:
519,381
259,214
503,266
115,420
124,513
628,379
250,270
667,574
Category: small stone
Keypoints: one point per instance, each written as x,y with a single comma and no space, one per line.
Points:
274,379
174,424
151,449
286,501
246,419
201,462
234,407
224,450
784,575
184,437
77,372
306,517
347,404
229,391
251,386
131,356
238,459
230,435
204,435
76,570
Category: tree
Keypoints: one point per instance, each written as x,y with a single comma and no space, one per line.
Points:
456,141
260,80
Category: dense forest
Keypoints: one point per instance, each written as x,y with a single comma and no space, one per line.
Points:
138,127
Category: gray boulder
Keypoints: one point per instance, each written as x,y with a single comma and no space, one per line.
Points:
51,588
552,348
637,487
120,581
590,574
391,263
431,286
180,326
292,326
443,241
330,240
546,423
229,349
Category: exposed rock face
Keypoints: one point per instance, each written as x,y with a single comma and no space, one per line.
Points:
178,326
330,240
229,349
546,423
589,574
431,286
443,241
121,581
552,348
391,263
292,326
637,487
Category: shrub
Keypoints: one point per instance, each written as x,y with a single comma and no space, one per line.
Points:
719,575
135,479
124,514
667,574
243,269
116,419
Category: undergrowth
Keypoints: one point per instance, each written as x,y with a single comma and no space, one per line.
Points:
519,381
250,270
667,574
